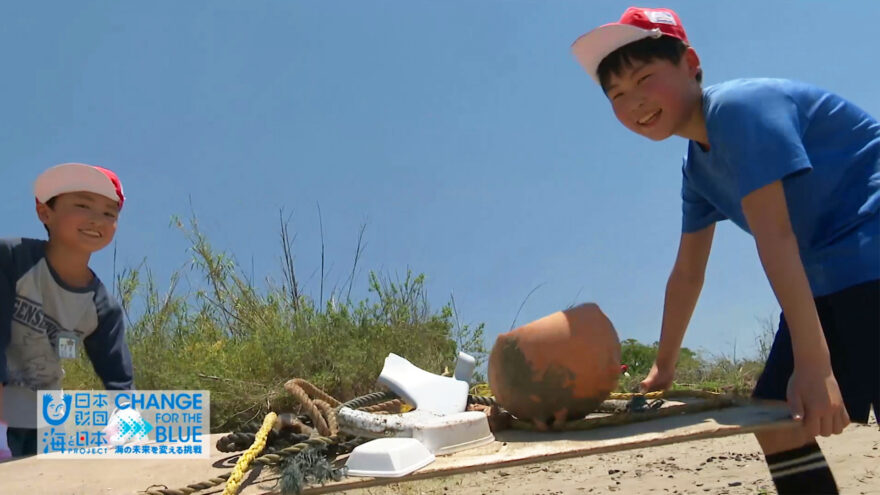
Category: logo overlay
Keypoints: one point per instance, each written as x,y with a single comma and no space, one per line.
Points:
660,17
123,424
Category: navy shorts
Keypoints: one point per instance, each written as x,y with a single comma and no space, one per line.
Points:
851,322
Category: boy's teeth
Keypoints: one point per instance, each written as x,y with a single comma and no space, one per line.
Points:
91,233
647,118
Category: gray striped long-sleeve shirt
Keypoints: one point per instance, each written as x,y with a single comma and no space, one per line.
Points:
36,307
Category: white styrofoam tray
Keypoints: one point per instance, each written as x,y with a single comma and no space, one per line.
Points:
388,458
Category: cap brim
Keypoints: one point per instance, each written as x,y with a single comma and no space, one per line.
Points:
72,177
592,47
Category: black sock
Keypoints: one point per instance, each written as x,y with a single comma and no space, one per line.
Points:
801,470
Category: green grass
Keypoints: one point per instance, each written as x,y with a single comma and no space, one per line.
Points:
223,334
722,373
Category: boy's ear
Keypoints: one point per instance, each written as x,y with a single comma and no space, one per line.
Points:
693,61
43,212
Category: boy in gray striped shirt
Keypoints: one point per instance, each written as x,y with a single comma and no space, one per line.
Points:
51,302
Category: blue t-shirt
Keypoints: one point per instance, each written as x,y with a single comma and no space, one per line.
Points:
825,150
37,311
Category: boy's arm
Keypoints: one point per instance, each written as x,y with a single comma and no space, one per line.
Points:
108,351
5,334
682,291
6,304
7,297
813,393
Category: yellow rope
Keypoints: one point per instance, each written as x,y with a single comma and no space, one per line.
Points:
245,460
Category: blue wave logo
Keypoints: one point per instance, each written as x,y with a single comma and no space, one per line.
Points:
56,413
132,427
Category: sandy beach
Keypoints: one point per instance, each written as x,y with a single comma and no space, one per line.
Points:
729,465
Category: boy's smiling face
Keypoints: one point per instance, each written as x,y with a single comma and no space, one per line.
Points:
81,221
656,99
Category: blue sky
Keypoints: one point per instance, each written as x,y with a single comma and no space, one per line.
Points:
463,134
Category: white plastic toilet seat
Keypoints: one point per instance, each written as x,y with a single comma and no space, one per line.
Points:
423,390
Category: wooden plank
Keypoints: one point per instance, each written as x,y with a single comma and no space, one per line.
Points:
511,448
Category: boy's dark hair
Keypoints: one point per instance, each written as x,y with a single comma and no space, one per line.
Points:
644,50
51,205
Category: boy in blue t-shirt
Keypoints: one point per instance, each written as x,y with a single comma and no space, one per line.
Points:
798,168
51,302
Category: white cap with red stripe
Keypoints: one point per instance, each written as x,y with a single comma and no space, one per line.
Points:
73,177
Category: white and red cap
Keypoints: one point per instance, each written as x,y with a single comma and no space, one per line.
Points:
72,177
635,24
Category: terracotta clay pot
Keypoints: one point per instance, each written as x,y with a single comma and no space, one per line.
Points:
557,368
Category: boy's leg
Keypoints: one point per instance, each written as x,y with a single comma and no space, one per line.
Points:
851,322
22,441
795,461
856,340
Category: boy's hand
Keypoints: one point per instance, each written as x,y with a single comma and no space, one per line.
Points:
5,453
814,398
659,378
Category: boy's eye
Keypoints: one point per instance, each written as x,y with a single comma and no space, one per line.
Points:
110,214
643,78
